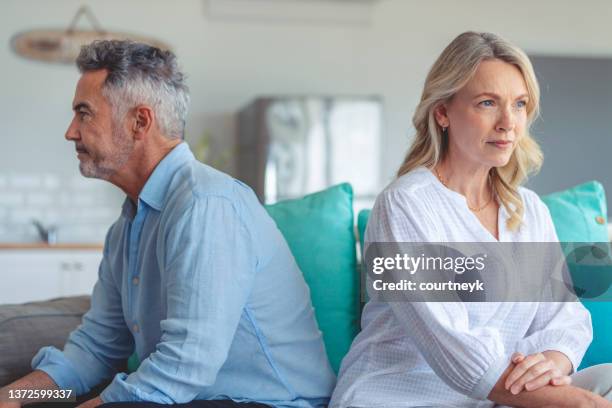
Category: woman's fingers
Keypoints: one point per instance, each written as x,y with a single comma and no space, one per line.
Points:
521,368
563,380
535,371
517,357
554,377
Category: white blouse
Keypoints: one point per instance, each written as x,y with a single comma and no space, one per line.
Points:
449,354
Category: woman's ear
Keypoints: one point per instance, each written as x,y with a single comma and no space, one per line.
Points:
441,116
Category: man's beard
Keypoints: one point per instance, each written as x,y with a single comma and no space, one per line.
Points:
106,165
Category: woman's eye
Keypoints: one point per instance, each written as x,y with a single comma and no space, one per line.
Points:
488,102
521,104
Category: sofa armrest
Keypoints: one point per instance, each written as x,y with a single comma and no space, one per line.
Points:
25,328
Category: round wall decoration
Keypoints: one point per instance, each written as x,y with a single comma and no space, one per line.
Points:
63,45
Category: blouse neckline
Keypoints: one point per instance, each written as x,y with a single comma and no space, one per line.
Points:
463,205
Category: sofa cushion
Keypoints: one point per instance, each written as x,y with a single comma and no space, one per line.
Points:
362,222
319,231
579,215
25,328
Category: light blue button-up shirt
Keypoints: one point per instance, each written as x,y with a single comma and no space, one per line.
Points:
200,282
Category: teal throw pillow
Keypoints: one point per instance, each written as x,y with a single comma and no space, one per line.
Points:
580,215
319,231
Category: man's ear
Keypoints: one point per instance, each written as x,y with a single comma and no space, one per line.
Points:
142,121
441,115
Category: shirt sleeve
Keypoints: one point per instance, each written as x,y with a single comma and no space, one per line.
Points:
561,326
209,265
97,348
468,359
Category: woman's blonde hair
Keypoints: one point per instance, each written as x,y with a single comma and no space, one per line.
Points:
452,70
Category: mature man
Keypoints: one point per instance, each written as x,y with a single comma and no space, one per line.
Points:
195,275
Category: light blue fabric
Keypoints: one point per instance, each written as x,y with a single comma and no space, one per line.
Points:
200,255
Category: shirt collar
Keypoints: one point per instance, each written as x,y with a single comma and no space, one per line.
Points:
155,189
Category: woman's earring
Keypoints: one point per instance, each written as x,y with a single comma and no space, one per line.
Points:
444,130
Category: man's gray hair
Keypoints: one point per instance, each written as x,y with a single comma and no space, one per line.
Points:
140,74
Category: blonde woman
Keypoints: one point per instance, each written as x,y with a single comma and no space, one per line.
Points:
460,182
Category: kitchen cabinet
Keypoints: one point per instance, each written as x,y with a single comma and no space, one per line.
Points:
40,273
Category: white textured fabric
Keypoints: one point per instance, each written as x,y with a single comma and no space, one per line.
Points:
449,354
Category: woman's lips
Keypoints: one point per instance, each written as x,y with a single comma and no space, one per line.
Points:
500,144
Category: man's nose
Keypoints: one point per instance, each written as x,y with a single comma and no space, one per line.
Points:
72,131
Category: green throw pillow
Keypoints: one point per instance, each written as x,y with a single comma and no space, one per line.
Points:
362,222
133,363
580,215
319,231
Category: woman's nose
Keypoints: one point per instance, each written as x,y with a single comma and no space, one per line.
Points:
506,121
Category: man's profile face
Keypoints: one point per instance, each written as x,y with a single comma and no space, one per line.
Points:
102,145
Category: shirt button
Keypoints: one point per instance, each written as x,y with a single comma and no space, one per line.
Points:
135,328
135,281
600,219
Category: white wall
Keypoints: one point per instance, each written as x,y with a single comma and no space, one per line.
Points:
231,62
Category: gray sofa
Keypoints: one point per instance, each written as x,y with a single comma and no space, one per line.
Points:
25,328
